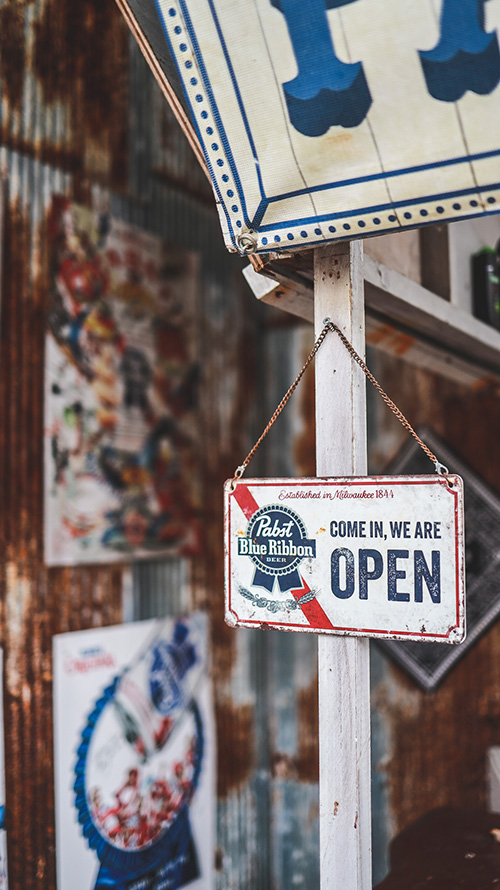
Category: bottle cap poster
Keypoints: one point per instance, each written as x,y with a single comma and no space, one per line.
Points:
134,756
339,118
376,556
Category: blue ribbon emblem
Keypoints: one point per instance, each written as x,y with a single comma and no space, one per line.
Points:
276,541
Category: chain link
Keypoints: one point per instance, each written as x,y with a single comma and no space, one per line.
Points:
331,326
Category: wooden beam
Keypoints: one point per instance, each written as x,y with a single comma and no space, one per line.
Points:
343,662
402,318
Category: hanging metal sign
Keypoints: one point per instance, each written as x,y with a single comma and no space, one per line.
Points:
376,556
340,118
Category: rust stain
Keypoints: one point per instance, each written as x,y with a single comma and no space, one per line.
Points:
235,745
335,808
403,343
450,770
489,383
304,766
223,451
307,721
78,53
81,44
224,423
284,766
379,335
67,160
341,139
80,60
12,57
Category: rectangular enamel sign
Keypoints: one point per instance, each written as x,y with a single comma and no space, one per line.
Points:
377,556
333,119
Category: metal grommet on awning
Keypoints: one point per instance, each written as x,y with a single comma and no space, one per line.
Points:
247,243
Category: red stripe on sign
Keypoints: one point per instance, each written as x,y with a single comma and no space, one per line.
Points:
312,610
246,501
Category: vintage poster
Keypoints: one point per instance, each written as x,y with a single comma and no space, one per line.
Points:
134,757
120,393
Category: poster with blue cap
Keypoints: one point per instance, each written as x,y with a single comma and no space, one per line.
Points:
333,119
134,743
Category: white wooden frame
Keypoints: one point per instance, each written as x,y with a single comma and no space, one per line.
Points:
343,662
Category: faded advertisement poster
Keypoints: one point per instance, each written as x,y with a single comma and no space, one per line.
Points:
120,393
134,757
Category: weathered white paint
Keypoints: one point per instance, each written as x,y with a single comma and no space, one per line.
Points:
283,292
343,662
261,285
399,251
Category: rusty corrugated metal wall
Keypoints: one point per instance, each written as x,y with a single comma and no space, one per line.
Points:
76,108
56,136
80,115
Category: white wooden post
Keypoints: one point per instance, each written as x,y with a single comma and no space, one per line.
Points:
344,670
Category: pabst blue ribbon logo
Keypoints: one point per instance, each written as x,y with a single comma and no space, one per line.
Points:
276,541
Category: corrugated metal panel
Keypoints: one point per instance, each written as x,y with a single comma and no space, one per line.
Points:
36,602
230,416
55,141
161,588
65,128
171,159
265,684
292,674
63,86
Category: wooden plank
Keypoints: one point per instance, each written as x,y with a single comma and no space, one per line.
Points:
398,250
403,343
343,662
403,318
451,328
294,297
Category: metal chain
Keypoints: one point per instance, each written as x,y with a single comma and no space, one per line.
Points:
241,469
331,326
394,408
